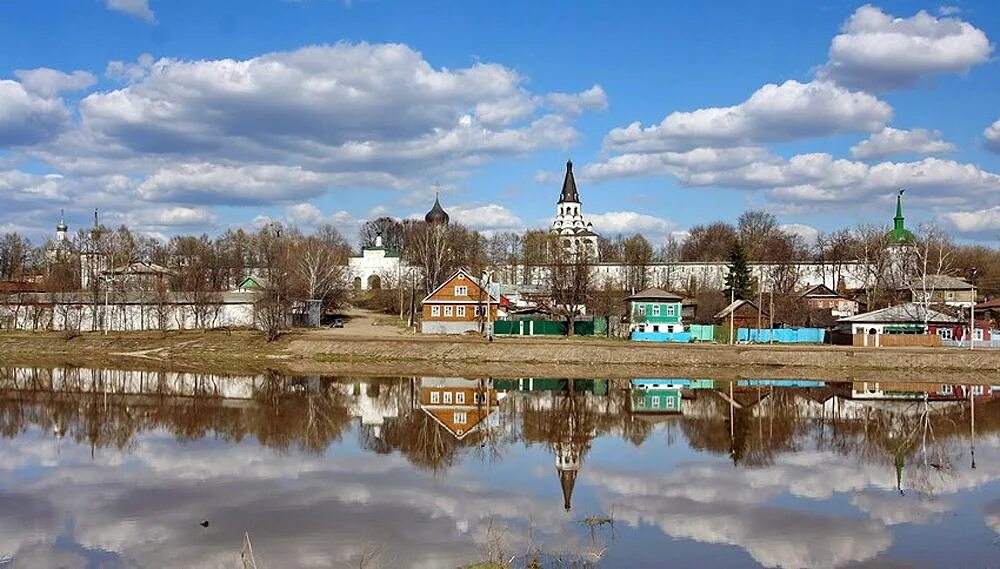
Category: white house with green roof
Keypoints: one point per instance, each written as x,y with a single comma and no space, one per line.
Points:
655,310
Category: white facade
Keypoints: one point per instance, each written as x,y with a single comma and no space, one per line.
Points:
377,267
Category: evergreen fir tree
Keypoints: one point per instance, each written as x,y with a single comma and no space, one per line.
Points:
738,281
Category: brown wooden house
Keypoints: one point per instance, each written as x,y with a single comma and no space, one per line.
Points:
460,305
743,314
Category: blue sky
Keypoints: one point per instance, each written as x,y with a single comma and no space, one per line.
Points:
189,116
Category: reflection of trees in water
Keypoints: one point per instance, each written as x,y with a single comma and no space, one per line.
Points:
102,414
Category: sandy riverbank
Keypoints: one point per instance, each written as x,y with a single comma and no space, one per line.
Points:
333,352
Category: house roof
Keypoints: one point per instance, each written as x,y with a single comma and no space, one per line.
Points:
11,287
904,313
820,290
474,280
735,305
989,304
654,293
140,268
254,281
940,282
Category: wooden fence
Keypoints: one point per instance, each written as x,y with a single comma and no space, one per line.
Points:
896,340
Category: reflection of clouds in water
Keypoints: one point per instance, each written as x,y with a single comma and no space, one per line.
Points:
715,503
809,474
993,515
774,537
304,511
892,509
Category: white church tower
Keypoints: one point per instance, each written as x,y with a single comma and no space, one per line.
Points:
575,232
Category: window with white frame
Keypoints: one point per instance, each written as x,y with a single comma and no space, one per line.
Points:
460,398
480,310
978,334
641,310
656,401
978,390
447,397
671,310
449,311
656,310
460,311
460,418
945,333
435,311
947,390
670,402
477,398
461,290
435,397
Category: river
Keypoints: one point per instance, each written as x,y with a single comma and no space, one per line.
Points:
114,468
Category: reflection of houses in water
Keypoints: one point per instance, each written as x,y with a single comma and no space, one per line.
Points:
917,391
655,397
368,402
128,382
461,406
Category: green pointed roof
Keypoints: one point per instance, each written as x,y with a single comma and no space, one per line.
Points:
900,234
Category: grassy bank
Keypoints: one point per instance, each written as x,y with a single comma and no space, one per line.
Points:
207,352
327,352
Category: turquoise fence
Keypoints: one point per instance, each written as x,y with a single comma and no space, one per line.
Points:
702,332
781,335
679,337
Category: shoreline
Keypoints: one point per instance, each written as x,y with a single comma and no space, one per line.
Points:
325,352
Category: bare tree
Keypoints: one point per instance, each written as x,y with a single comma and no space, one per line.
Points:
570,275
709,242
637,256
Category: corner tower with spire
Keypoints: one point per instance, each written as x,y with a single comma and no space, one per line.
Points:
575,233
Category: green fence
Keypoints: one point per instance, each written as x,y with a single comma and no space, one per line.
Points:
549,327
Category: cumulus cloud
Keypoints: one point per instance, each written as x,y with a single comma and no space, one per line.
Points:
136,8
310,216
656,229
775,113
27,118
980,221
879,52
593,99
992,136
489,218
892,141
47,82
173,217
343,106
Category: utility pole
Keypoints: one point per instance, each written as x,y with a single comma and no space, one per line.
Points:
760,301
732,312
972,313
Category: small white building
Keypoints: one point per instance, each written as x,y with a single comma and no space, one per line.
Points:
375,265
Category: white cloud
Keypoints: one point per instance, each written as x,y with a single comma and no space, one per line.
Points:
896,141
137,8
808,233
488,218
593,99
877,51
27,118
344,106
48,82
231,185
173,217
949,10
981,221
656,229
130,72
775,113
307,216
992,136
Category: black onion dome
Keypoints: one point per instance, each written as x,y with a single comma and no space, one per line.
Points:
437,214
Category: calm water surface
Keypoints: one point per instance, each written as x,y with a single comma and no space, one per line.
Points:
119,469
